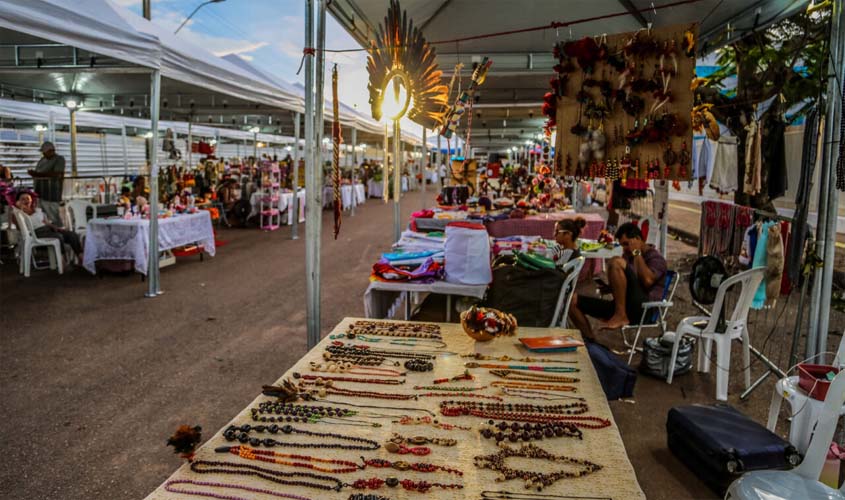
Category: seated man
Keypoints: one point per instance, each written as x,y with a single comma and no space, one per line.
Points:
636,277
44,228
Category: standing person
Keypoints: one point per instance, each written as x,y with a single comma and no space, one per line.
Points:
48,177
442,174
636,277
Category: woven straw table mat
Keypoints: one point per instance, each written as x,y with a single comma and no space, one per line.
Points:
615,480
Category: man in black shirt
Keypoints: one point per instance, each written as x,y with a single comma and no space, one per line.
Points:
48,177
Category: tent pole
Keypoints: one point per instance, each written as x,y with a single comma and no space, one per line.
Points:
255,147
153,287
832,122
295,167
423,163
397,179
125,148
354,164
190,139
385,171
73,160
51,128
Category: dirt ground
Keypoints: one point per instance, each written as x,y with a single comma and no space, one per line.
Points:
95,377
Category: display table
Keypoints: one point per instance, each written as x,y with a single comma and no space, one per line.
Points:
616,480
382,298
287,201
360,194
120,239
543,225
375,189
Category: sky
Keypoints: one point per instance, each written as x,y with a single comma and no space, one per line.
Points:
268,33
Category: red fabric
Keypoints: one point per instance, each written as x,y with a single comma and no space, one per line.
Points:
466,225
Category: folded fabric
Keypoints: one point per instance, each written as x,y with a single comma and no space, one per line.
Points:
423,214
428,272
393,256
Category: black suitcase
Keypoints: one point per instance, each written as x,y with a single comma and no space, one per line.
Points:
616,377
718,443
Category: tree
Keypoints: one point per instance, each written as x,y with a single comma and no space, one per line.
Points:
787,61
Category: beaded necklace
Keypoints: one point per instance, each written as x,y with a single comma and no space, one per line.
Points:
341,349
533,480
322,391
527,385
483,357
406,420
409,342
454,389
393,329
270,412
525,412
513,432
458,395
309,397
403,466
305,461
276,476
533,377
535,368
321,379
358,358
169,486
539,395
234,433
421,440
352,369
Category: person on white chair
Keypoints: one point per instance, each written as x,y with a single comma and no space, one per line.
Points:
634,278
44,228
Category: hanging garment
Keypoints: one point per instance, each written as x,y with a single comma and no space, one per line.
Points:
774,263
774,157
785,283
743,218
725,164
726,219
749,245
753,161
802,197
761,260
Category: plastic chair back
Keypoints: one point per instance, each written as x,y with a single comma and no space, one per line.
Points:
24,224
811,467
749,281
670,284
79,213
567,289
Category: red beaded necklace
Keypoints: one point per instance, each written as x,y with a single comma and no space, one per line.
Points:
268,456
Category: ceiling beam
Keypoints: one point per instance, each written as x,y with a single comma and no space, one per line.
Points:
635,12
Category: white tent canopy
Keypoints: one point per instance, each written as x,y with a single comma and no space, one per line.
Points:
92,25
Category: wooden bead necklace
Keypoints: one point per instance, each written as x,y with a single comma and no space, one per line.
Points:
401,465
528,385
514,431
421,440
409,342
341,349
169,486
483,357
538,395
304,461
309,397
452,389
532,479
392,329
533,377
241,433
407,484
419,365
466,375
406,420
458,395
322,391
533,368
322,379
352,369
366,496
525,413
271,412
420,451
276,476
356,359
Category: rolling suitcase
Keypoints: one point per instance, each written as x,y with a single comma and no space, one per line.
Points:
718,443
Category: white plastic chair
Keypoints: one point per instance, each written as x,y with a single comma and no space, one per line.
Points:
79,213
567,290
804,410
654,313
735,328
29,242
802,481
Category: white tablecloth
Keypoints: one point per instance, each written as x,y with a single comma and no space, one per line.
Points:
360,194
287,201
346,198
380,299
119,239
375,189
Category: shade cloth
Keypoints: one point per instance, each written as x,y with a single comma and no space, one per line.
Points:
120,239
615,480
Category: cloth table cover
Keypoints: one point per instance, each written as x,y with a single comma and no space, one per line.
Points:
375,189
360,194
346,198
120,239
544,225
328,196
616,479
380,297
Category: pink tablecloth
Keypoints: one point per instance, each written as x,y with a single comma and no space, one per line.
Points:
544,225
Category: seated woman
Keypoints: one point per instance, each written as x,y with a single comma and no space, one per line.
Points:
44,228
566,237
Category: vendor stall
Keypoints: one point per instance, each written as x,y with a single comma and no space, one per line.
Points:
585,458
544,225
128,239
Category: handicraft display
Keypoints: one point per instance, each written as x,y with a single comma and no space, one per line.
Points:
621,106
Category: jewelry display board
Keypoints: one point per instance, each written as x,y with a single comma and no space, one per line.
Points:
615,480
594,100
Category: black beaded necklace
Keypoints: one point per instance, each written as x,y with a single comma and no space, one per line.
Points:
241,434
215,467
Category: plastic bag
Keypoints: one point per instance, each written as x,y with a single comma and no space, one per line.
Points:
467,254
